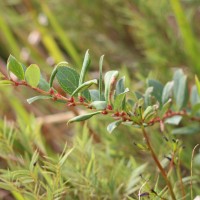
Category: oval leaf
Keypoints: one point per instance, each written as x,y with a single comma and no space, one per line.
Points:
83,117
32,75
180,89
167,92
53,74
84,86
15,67
119,101
68,79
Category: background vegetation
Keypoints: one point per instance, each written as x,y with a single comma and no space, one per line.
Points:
141,39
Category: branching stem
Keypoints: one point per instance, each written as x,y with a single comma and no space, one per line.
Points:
162,171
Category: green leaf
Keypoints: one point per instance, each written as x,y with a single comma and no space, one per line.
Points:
113,125
180,89
32,75
165,108
100,77
68,79
109,80
84,86
187,130
15,67
157,89
5,82
119,100
53,73
120,86
86,95
31,100
43,84
194,96
83,117
175,120
167,92
99,105
94,95
147,96
197,84
85,66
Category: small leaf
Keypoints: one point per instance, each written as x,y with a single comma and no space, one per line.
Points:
84,86
147,96
94,95
109,80
43,84
167,92
119,101
68,79
157,89
31,100
180,89
15,67
53,73
187,130
165,108
113,125
194,96
120,86
86,95
99,105
83,117
197,84
85,66
175,120
5,82
100,77
32,75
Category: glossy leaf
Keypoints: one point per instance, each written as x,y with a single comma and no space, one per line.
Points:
84,86
5,82
32,75
167,92
99,105
100,77
113,125
32,99
85,66
15,67
86,95
68,79
180,89
197,84
83,117
175,120
53,73
157,89
109,80
119,100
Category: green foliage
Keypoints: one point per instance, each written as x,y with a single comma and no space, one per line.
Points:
32,75
169,104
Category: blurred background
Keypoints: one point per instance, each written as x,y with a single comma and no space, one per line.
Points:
140,38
